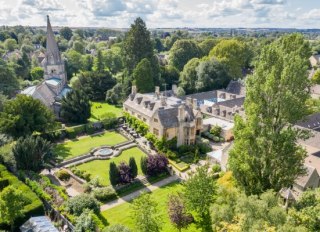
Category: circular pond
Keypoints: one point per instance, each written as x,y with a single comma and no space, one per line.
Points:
104,152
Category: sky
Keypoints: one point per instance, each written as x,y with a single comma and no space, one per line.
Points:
163,13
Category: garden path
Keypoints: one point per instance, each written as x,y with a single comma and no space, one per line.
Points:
137,193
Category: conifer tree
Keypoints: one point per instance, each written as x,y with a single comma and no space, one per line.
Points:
133,167
114,174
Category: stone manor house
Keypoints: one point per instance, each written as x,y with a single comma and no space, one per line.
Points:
166,114
54,86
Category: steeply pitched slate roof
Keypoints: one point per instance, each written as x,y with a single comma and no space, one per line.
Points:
232,103
236,87
311,122
47,95
168,117
52,46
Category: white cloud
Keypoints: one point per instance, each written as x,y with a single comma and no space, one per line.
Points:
160,13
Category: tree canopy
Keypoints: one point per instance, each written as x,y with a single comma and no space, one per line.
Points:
75,107
235,54
142,76
265,153
24,115
182,51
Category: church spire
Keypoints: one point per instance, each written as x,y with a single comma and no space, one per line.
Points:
52,54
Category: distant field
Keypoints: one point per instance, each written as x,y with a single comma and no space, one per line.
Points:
98,109
77,147
100,168
121,213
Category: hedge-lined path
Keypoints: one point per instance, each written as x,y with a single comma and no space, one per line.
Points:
137,193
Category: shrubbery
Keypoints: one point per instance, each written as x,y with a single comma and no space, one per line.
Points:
81,173
78,204
141,127
63,175
104,194
35,208
123,173
154,165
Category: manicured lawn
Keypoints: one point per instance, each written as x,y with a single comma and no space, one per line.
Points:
98,109
121,213
100,168
83,145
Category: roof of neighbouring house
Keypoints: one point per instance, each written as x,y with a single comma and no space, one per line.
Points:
311,122
201,96
232,103
225,125
304,180
38,224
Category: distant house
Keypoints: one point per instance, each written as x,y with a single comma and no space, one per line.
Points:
166,115
38,224
315,60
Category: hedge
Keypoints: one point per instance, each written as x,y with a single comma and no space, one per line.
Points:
35,208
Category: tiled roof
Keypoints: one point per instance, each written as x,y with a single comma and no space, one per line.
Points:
304,180
313,141
202,96
168,117
232,103
311,122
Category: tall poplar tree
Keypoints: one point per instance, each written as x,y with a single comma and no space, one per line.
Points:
266,154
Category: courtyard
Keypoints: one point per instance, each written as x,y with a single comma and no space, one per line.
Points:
82,145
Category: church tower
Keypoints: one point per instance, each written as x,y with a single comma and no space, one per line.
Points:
53,64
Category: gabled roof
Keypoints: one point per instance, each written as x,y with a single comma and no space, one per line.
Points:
304,180
168,117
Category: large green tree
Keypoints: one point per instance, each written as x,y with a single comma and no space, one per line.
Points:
137,45
32,153
211,74
75,107
182,51
188,76
24,115
66,33
199,193
145,214
8,80
142,76
235,54
265,153
12,203
95,84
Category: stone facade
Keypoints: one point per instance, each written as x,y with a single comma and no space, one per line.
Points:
166,115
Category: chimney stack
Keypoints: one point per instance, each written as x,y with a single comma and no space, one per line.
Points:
163,101
157,92
133,90
189,101
174,89
195,104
